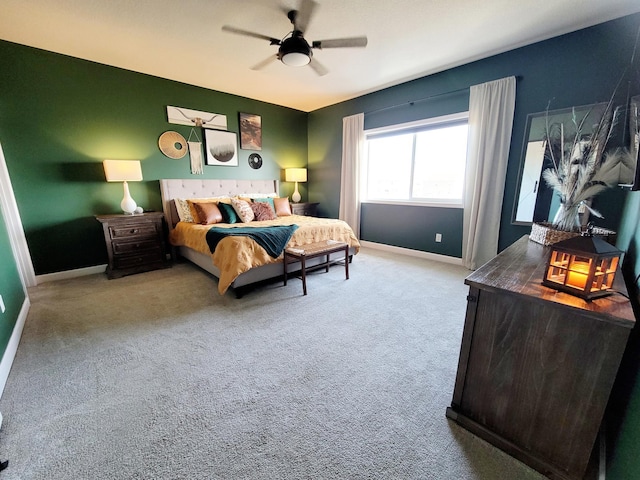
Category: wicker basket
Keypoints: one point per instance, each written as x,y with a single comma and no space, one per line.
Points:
545,234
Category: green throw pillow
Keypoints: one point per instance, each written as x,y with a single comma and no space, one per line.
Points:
229,215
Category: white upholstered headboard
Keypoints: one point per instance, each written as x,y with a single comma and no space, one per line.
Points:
202,188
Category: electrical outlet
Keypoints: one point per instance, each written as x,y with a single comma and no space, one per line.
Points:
2,307
438,237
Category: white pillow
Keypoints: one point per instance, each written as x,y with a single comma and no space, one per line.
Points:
243,209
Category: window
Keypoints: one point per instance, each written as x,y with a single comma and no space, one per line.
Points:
419,162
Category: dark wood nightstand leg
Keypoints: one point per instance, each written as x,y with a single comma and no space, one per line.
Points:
304,275
346,261
284,266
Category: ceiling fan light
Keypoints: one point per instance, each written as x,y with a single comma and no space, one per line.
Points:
296,59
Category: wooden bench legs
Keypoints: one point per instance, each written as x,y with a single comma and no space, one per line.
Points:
314,250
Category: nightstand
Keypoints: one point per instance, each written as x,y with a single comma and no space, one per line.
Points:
135,243
307,209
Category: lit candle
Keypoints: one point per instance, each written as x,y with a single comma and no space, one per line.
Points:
578,274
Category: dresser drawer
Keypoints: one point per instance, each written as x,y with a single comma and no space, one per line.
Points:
146,258
128,231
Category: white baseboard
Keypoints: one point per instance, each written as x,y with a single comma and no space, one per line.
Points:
66,274
12,346
412,253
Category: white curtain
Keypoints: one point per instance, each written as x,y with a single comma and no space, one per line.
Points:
491,107
352,151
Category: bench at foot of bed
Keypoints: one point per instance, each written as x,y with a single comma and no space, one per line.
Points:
303,253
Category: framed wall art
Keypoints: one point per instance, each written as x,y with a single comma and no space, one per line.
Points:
221,148
250,131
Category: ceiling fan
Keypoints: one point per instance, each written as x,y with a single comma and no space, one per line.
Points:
294,49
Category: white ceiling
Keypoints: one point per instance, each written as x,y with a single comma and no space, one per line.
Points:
182,40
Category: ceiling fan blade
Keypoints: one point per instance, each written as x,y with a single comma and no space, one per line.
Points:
303,16
265,62
247,33
318,67
340,43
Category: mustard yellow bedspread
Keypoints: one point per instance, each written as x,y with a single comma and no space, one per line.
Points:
235,255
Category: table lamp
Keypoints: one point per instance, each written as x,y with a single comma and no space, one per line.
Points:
295,175
124,171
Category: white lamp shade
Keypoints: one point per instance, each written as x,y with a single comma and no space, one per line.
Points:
122,170
295,174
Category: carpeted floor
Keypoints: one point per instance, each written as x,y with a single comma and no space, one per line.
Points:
156,376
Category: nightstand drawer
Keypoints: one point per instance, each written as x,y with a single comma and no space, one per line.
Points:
127,231
307,209
132,247
129,261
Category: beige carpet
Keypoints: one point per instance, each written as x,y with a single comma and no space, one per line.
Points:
156,376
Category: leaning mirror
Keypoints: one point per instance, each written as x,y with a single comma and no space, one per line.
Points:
630,174
535,201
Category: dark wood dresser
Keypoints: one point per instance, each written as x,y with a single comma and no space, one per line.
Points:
135,243
537,366
308,209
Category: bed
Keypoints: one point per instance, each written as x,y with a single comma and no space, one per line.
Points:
238,262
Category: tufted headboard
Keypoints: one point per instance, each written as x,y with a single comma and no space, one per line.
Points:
202,188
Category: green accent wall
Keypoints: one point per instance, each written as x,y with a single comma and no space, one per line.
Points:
61,116
10,288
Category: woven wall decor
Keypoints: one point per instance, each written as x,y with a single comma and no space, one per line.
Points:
173,145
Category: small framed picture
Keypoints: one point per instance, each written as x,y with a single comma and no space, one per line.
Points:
250,131
221,148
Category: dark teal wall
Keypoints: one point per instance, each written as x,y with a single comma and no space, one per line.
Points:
413,227
10,288
624,406
61,116
575,69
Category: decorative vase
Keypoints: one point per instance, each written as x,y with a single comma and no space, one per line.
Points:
567,218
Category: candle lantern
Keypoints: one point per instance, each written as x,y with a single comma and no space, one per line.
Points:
583,266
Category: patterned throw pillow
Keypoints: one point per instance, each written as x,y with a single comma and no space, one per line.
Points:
208,213
283,209
184,212
228,213
262,211
243,210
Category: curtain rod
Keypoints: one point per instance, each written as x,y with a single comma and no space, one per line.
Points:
435,95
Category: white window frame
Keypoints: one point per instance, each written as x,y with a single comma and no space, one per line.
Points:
435,121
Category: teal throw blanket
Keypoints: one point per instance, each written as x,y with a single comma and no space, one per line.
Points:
272,239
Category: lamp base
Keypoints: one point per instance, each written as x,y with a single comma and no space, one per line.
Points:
296,195
128,204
